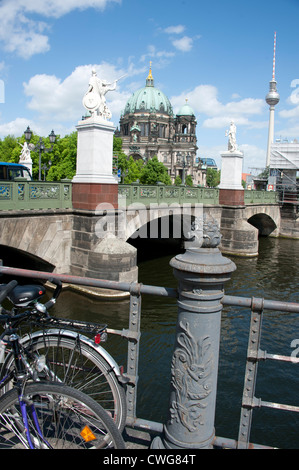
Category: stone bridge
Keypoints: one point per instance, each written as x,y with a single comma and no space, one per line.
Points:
41,229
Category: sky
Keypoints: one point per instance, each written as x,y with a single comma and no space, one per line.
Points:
217,54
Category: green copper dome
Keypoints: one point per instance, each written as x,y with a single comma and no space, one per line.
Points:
186,110
149,100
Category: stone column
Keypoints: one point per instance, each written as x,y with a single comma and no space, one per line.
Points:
201,272
96,252
231,189
94,182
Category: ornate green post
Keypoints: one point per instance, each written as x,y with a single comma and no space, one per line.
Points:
201,272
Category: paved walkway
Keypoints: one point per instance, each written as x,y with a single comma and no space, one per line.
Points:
137,439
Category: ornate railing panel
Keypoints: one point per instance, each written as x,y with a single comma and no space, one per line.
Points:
261,197
161,194
22,195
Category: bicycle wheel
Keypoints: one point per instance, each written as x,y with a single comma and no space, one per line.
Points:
58,417
76,364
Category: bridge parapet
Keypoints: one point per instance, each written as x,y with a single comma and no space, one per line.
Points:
261,197
158,194
27,195
22,194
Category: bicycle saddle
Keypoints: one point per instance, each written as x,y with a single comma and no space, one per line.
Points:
22,296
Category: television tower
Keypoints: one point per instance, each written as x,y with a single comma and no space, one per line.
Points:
272,99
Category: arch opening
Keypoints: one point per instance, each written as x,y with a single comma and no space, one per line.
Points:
15,258
264,223
161,237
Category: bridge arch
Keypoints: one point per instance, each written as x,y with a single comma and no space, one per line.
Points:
264,223
162,221
42,240
16,258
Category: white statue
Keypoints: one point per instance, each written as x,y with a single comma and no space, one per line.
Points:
25,156
94,99
231,134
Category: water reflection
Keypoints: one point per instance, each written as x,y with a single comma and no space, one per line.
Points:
274,274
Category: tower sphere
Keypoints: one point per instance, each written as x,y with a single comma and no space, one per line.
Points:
272,97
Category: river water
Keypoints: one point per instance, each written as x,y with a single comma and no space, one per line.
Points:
274,274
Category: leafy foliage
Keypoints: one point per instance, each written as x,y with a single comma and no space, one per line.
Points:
60,162
154,172
213,177
62,156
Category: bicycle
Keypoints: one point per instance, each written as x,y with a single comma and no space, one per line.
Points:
39,415
70,350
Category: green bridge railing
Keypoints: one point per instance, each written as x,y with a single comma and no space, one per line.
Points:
21,194
159,194
29,195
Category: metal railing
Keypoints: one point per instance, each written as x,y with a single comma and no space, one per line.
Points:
22,194
260,197
288,194
161,194
132,334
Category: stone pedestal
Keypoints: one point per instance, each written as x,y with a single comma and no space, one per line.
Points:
95,201
231,189
107,258
94,182
231,170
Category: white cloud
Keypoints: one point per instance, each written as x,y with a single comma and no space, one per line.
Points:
179,29
55,99
254,157
291,115
184,44
161,56
16,127
25,36
204,101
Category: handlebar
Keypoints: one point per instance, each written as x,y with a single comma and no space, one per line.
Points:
57,291
7,289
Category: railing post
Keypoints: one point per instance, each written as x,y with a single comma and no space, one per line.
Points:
201,272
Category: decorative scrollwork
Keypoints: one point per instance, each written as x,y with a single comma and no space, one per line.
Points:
5,191
41,192
191,369
204,233
21,192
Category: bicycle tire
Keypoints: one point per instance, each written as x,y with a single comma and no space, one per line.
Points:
67,419
79,366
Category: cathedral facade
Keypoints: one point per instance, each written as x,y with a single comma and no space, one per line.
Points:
148,128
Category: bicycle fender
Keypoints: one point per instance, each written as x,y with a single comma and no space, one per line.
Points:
72,334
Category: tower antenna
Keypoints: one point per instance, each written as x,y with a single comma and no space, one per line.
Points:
272,99
274,54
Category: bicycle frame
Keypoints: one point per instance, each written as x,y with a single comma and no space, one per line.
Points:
21,374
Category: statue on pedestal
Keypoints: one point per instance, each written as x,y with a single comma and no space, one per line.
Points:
231,134
94,99
25,156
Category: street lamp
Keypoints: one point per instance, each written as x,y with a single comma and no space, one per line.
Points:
40,147
183,161
28,134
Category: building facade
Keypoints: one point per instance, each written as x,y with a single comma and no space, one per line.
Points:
148,128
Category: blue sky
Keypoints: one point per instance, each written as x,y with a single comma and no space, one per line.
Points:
217,54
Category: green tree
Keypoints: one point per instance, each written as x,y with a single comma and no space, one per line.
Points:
10,150
213,177
189,181
154,172
63,158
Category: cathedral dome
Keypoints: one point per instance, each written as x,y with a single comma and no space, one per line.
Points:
186,110
149,100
